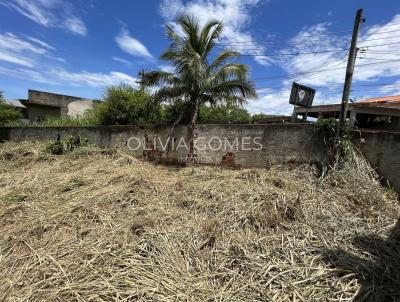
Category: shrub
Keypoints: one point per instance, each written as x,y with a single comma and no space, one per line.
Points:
125,105
7,114
223,114
260,117
68,144
172,112
55,147
328,124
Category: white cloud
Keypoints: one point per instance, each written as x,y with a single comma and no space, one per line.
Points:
4,56
12,42
123,61
379,45
41,43
235,15
75,25
26,74
132,46
16,50
392,89
49,13
272,102
311,44
326,70
370,63
92,79
63,77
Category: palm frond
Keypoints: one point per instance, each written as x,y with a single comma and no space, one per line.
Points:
210,32
151,78
172,35
228,101
229,72
196,81
237,88
222,57
190,27
170,93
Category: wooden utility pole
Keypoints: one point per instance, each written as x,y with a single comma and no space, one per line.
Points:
349,72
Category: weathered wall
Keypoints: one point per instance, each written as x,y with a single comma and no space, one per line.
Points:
279,143
79,107
50,99
382,150
250,145
38,112
42,104
263,145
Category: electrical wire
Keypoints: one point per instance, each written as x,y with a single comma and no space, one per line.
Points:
328,69
294,54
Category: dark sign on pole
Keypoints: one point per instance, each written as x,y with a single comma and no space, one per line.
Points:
302,96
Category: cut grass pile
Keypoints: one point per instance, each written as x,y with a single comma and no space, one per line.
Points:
100,225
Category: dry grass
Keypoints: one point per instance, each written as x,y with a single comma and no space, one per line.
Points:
99,225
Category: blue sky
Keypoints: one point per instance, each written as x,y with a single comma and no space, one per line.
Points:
79,47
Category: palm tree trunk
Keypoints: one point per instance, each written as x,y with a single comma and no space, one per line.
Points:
195,114
171,131
193,121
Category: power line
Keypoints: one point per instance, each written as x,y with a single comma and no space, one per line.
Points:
367,51
314,52
328,69
385,32
367,40
376,45
332,88
316,68
290,40
293,54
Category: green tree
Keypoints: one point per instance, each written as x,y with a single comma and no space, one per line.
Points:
7,114
196,79
125,105
223,114
260,117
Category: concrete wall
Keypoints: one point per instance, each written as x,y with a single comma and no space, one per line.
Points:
279,144
79,107
38,112
382,150
249,145
45,104
50,99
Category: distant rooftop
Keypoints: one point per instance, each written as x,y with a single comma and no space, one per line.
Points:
389,102
392,98
15,103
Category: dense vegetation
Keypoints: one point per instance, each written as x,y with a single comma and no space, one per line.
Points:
223,114
7,114
125,105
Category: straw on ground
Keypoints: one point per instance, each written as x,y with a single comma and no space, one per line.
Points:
100,225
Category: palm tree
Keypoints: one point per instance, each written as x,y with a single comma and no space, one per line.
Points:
195,79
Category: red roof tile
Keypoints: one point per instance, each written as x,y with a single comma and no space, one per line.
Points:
393,98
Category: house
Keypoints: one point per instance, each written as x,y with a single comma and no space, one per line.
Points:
377,113
41,105
374,113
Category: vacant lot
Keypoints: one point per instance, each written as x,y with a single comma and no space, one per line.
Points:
100,225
